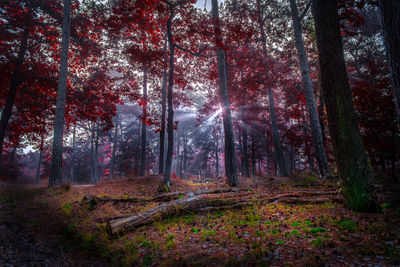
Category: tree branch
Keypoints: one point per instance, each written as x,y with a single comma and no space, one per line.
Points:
305,11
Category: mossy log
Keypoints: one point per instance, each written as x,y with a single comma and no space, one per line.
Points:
205,203
179,206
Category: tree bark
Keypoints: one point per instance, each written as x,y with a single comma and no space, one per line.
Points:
316,133
274,124
163,112
96,151
73,155
115,143
253,155
39,162
390,13
12,91
351,159
92,177
56,157
246,167
170,125
144,124
230,163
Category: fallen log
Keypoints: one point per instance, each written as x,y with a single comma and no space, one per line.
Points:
179,206
162,197
198,204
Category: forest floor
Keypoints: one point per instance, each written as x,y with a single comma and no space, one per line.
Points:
42,226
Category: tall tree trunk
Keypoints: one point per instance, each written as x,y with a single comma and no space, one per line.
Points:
163,112
185,157
92,177
39,161
316,133
351,159
73,155
230,163
56,156
12,91
178,147
246,170
216,155
13,153
321,108
114,150
280,160
170,125
390,13
274,124
253,155
96,151
144,124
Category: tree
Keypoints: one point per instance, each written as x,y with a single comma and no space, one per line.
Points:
351,159
277,139
316,132
230,164
144,124
390,13
56,159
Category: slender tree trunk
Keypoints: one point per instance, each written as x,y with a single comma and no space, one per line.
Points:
253,155
178,147
96,150
12,159
321,115
390,13
39,161
216,155
115,142
163,112
185,157
12,91
73,155
274,124
277,140
144,124
259,168
170,125
56,157
246,172
351,159
92,177
230,163
316,133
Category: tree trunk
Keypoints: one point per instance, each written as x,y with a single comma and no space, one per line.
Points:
274,124
321,114
390,13
115,142
246,168
144,124
170,125
277,140
185,157
350,155
12,91
163,112
92,177
230,163
253,155
316,133
96,150
56,156
39,162
73,155
178,147
216,155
